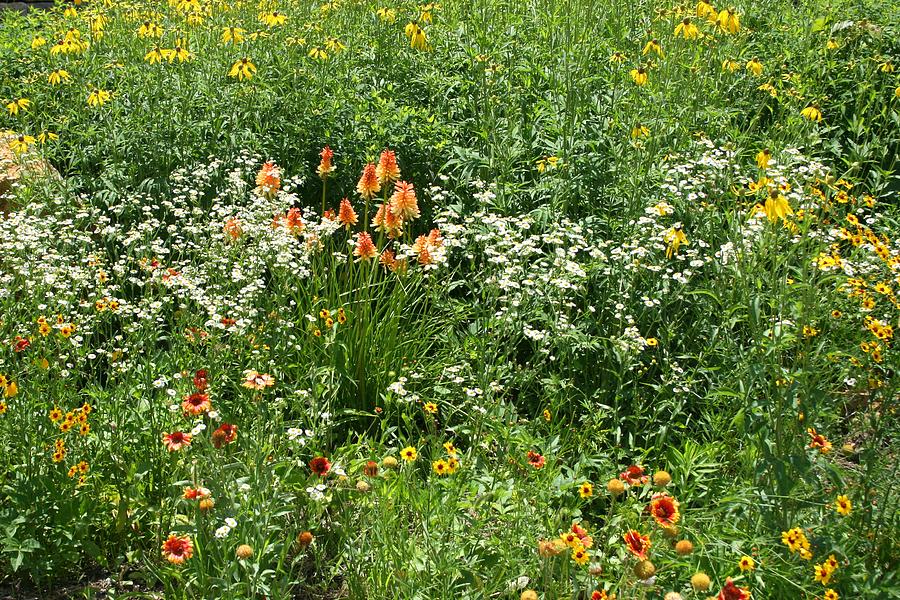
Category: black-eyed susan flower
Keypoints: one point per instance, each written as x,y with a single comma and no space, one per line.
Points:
586,489
242,69
409,454
843,505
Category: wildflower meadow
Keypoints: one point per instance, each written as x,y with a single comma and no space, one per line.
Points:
514,300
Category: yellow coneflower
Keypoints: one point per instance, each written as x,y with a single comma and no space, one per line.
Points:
639,131
58,76
417,38
728,21
387,15
617,57
15,106
812,113
242,69
777,206
180,51
653,46
232,35
687,29
20,144
272,19
318,53
673,239
149,29
763,157
832,44
98,97
639,76
705,10
755,67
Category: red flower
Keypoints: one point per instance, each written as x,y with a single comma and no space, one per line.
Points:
371,469
637,544
196,403
225,434
195,493
599,595
664,509
200,379
535,460
634,475
733,592
20,343
320,466
176,440
177,549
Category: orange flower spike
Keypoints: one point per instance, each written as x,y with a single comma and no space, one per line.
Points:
269,179
346,214
404,204
387,170
365,249
369,183
326,167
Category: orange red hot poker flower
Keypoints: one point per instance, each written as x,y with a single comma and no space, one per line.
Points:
365,247
326,167
269,179
387,169
368,184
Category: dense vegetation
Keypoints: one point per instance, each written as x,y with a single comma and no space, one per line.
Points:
483,299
